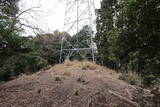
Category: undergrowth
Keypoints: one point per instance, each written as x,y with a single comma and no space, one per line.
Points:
132,78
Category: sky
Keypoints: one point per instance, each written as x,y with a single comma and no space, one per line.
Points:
48,15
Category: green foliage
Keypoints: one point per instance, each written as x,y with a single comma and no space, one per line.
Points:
48,46
107,34
4,75
152,81
128,35
132,78
18,54
9,7
21,63
83,38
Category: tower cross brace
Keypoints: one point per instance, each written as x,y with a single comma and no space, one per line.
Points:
78,13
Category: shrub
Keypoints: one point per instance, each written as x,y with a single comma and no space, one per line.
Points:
22,63
132,78
4,76
152,81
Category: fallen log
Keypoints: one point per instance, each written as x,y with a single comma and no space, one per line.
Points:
123,98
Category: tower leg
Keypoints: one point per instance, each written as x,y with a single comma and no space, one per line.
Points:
60,60
93,57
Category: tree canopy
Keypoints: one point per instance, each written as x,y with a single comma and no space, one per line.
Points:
128,35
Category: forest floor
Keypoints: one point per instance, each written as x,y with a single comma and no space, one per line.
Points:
72,84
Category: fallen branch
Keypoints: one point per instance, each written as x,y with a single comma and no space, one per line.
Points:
123,98
129,94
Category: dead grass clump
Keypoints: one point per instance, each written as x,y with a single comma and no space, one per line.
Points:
67,73
72,63
68,62
86,65
59,67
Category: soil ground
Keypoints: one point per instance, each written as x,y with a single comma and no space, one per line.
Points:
72,84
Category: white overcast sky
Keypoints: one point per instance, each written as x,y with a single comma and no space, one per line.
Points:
49,16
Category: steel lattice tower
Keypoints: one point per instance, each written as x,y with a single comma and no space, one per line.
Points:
78,14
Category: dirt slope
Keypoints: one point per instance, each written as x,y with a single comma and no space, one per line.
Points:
68,85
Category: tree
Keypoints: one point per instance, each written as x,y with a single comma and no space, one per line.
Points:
17,53
49,45
128,33
9,41
141,38
82,39
106,32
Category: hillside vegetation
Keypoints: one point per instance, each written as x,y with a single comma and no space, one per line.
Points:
128,37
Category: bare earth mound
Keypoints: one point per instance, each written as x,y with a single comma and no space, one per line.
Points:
72,84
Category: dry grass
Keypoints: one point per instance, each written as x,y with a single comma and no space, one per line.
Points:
67,73
132,78
84,65
87,65
75,63
68,63
59,67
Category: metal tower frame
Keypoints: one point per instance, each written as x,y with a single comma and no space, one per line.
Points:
78,14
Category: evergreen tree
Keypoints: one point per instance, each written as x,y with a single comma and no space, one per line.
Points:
106,32
128,34
140,39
